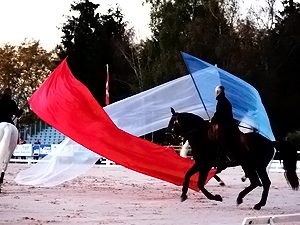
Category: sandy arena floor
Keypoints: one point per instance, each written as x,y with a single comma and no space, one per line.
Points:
116,195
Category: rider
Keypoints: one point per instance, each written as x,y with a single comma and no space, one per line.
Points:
226,128
8,107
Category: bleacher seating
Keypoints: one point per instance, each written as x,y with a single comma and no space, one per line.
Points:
47,136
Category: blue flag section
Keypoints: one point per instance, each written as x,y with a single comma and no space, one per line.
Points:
246,102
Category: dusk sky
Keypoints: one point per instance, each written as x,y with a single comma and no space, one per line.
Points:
39,19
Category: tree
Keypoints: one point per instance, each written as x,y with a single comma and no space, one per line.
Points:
283,52
201,28
91,41
23,69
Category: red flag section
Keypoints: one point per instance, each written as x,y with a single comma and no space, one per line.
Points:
66,104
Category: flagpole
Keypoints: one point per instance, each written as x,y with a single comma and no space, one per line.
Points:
196,87
107,86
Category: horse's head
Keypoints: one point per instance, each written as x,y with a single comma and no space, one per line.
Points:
182,124
174,128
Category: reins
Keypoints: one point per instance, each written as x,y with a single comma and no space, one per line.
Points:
183,133
249,128
190,131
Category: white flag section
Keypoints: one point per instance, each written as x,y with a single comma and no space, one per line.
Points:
150,111
67,162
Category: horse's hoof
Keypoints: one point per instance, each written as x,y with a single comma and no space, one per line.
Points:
183,198
218,198
239,201
257,207
222,183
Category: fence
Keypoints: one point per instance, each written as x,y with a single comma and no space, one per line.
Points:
30,160
30,154
291,219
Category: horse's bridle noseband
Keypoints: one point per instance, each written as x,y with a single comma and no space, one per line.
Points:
182,134
172,130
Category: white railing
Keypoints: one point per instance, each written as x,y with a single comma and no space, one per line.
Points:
273,219
276,165
28,160
31,160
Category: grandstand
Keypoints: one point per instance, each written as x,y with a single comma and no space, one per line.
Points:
46,136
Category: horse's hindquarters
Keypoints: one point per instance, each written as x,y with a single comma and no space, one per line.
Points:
260,148
8,143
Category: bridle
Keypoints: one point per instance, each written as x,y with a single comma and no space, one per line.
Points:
171,131
181,128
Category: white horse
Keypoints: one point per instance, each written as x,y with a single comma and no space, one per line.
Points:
184,149
8,143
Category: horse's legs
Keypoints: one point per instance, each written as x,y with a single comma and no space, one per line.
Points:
220,168
1,179
186,182
221,182
266,182
244,178
2,174
244,192
254,182
201,182
5,162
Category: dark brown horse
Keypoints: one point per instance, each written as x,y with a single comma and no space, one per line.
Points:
254,154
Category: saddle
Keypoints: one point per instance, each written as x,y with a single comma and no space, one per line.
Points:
225,155
214,134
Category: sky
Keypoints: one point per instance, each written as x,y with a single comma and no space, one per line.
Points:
40,19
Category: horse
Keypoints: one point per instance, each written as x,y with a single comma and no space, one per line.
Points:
253,153
8,143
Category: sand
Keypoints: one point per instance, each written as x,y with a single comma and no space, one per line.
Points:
116,195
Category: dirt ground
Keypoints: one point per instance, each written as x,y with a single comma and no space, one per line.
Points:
116,195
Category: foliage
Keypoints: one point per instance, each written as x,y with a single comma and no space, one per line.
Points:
282,51
264,55
203,28
23,69
293,137
91,41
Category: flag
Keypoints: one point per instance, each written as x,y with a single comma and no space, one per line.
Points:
67,105
149,110
246,103
107,87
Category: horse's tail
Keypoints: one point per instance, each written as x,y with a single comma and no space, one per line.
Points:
288,154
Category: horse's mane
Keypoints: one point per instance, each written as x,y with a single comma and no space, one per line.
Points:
192,119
